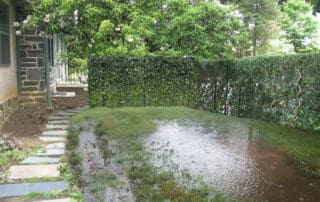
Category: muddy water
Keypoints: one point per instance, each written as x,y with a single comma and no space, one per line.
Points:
231,161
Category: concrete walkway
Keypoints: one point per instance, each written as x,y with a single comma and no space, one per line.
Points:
43,164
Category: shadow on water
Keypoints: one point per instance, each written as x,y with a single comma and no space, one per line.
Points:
232,160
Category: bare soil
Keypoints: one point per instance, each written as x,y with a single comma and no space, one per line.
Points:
27,121
25,124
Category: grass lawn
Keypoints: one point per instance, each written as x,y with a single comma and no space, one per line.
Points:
127,125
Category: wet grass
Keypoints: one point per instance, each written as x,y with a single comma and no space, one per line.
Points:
73,157
127,125
98,183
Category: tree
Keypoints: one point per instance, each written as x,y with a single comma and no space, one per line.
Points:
126,27
265,14
300,29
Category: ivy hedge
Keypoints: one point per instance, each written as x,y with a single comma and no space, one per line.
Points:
280,89
142,81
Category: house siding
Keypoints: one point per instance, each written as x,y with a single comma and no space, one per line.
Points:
8,74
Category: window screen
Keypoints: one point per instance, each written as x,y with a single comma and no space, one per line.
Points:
4,34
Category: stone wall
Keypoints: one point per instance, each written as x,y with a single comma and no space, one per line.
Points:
7,107
32,67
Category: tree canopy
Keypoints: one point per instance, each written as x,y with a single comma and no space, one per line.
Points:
199,28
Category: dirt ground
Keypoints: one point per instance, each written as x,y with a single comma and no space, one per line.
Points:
26,121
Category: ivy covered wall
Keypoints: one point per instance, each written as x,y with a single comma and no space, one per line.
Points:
142,81
280,89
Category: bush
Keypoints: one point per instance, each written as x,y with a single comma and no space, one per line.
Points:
137,81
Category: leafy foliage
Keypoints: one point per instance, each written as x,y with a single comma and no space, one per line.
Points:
280,89
137,81
299,26
139,28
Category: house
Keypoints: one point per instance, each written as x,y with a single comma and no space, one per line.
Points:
8,61
31,69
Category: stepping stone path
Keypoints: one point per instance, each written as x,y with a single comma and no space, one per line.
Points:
50,152
52,139
55,127
33,171
57,200
14,190
44,163
55,133
40,160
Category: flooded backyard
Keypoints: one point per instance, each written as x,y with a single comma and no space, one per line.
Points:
231,160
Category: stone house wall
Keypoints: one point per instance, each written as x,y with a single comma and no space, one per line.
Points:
32,67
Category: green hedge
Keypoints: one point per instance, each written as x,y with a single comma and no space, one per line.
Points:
281,89
149,81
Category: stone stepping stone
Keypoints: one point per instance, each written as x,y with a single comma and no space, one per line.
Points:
33,171
59,122
66,114
73,110
57,118
55,127
52,139
55,133
57,200
58,145
50,152
22,189
40,160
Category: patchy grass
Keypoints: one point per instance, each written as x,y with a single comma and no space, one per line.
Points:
73,156
11,156
98,183
127,125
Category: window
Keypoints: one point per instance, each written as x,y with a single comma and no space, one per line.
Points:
4,34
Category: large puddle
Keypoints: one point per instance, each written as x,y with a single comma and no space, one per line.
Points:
232,161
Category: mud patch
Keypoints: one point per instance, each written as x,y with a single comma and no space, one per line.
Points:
231,160
104,180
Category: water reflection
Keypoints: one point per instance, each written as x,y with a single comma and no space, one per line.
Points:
231,160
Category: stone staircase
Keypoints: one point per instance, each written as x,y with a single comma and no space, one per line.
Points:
44,164
70,96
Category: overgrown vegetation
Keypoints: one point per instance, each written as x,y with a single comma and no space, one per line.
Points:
128,125
280,89
73,157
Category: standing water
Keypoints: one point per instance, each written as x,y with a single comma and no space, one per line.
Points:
232,161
